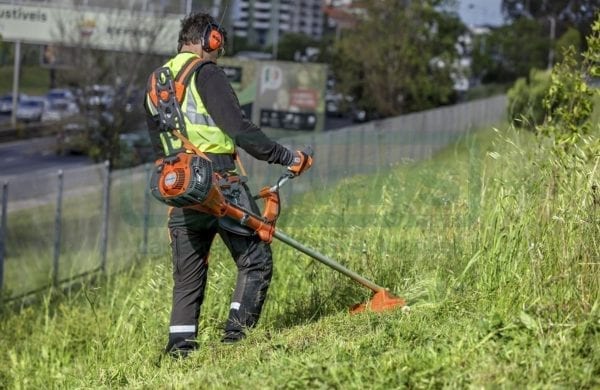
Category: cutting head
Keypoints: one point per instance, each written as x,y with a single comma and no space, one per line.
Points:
381,301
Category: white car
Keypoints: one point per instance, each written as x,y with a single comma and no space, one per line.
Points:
60,95
6,102
99,96
31,109
59,110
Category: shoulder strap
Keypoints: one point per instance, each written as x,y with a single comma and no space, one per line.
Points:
185,74
180,82
166,95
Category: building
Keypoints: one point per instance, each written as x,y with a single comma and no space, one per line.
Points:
262,22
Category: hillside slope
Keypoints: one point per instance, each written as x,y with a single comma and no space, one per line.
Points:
501,274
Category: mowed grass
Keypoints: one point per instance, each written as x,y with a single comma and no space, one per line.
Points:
498,258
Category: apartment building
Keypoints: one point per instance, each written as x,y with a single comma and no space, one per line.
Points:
263,21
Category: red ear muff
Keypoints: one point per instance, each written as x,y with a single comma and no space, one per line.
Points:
213,38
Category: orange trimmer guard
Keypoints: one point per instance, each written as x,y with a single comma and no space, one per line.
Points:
381,301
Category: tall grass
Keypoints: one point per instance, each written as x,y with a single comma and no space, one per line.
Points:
32,232
501,274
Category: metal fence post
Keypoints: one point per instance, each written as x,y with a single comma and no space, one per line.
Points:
57,229
3,233
361,152
146,213
345,169
330,156
105,213
378,136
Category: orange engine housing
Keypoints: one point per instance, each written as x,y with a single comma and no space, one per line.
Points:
182,180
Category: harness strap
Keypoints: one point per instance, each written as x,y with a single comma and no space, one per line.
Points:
184,75
239,163
167,94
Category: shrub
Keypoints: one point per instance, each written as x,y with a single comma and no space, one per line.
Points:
525,107
569,103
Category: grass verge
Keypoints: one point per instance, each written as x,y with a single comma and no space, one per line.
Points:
502,277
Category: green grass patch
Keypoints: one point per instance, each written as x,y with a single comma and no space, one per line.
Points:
33,80
500,266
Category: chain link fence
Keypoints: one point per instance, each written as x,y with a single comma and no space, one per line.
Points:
56,228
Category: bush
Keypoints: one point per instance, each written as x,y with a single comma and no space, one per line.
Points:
525,99
570,105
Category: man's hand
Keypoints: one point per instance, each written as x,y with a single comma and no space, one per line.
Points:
302,161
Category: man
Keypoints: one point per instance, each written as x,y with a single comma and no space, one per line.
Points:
215,123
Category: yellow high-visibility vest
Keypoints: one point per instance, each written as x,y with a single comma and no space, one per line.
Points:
201,130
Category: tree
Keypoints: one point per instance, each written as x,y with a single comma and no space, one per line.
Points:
510,52
569,12
111,83
399,56
569,104
571,37
556,15
292,43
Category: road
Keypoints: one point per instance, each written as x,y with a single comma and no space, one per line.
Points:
35,156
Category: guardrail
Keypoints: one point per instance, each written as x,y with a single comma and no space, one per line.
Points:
27,130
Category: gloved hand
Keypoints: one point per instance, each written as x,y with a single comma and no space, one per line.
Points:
302,161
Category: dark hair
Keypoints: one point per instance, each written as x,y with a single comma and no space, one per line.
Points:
194,26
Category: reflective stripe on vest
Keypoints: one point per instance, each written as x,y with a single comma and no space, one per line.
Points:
201,129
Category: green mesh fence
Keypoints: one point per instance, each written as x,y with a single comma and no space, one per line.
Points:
60,226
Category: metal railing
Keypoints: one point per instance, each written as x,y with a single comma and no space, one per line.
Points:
58,227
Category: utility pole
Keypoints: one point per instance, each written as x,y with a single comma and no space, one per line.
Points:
552,39
15,91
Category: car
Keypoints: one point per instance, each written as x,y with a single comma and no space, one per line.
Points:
60,96
333,106
6,102
77,134
31,109
134,148
134,99
361,115
99,96
337,104
59,110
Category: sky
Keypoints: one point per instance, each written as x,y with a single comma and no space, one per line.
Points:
480,12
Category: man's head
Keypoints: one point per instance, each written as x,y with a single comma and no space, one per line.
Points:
200,32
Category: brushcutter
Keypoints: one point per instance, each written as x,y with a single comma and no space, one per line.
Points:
186,179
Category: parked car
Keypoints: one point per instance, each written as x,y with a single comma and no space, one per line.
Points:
134,148
360,115
59,110
6,102
78,134
99,96
31,109
60,96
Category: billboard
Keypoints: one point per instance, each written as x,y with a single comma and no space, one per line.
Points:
242,76
278,94
274,94
120,30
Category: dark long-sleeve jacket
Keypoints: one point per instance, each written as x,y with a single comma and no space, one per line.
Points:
223,106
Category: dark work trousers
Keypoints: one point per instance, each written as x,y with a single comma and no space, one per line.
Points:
192,233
